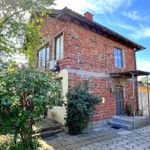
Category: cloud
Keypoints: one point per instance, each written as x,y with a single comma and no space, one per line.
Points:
143,65
135,16
135,32
96,6
79,7
126,27
140,33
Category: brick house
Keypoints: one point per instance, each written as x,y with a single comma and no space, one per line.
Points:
86,50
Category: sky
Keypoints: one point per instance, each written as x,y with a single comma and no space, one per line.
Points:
130,18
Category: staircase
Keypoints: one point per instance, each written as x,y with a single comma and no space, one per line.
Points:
126,122
46,128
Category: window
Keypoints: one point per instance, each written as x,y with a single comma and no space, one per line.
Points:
43,57
59,47
118,55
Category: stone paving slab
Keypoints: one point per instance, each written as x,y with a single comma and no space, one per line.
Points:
109,139
68,142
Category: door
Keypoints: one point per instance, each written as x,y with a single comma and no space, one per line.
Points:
119,100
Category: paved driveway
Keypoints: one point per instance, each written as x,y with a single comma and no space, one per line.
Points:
105,139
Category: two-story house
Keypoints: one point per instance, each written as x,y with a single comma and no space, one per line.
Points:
85,50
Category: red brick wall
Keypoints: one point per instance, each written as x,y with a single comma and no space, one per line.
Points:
97,52
96,55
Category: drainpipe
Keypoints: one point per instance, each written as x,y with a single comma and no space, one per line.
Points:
148,97
133,99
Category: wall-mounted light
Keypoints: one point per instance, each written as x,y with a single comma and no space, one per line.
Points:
103,100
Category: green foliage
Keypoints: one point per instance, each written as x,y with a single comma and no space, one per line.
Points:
80,107
32,43
129,109
16,23
144,80
25,94
19,145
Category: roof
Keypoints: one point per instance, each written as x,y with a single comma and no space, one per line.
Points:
129,74
66,13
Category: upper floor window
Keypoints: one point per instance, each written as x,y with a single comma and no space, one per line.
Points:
118,56
59,47
43,57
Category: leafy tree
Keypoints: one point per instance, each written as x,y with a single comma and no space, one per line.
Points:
144,80
80,107
16,23
25,94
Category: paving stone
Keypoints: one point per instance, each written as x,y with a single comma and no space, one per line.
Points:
138,139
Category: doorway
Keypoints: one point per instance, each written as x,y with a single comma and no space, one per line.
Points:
119,100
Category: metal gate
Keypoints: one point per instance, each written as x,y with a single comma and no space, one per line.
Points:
119,100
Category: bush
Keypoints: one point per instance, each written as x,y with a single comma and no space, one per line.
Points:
80,107
129,109
25,94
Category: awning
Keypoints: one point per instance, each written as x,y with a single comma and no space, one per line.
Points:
133,74
129,74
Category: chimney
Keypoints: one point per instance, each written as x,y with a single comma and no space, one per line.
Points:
88,16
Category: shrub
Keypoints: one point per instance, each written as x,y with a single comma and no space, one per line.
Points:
129,109
80,107
25,94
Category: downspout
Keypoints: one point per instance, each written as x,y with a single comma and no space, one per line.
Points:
148,97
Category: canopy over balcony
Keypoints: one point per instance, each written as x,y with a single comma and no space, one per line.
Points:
134,74
129,74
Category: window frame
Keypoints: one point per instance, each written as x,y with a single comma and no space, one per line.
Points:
58,36
119,60
46,58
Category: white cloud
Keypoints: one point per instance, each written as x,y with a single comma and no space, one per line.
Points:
79,6
140,33
135,32
97,6
126,27
143,65
134,15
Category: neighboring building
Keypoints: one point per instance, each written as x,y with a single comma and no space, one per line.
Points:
143,91
86,50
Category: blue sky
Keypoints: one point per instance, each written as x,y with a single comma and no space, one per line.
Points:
131,18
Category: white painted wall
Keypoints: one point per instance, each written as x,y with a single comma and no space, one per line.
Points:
59,113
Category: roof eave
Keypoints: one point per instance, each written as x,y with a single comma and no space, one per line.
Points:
60,13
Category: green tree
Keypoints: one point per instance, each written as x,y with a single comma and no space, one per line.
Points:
17,22
25,94
144,80
80,107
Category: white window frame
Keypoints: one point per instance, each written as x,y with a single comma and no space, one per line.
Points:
119,58
43,57
59,46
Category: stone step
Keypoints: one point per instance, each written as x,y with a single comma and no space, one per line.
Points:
47,133
50,128
121,125
122,120
126,122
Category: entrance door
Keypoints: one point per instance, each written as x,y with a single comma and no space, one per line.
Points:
119,100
